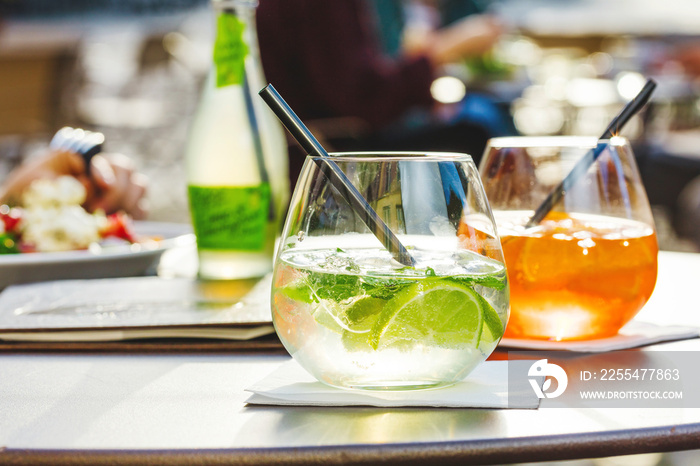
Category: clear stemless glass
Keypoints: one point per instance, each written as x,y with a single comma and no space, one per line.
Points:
354,317
590,265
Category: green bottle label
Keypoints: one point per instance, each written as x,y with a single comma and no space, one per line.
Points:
230,50
230,218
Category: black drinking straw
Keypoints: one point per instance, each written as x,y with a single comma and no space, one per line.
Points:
335,175
584,164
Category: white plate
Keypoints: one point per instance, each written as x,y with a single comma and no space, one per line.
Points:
108,261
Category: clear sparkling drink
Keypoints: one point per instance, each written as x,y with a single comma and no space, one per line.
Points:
355,318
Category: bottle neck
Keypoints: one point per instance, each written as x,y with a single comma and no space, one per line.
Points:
236,42
217,4
244,9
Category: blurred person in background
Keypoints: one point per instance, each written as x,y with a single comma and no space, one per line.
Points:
113,183
687,222
687,218
359,74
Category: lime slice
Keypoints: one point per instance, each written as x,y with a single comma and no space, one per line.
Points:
331,315
298,291
493,326
430,312
356,317
361,316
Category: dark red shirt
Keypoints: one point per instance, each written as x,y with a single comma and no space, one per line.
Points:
325,59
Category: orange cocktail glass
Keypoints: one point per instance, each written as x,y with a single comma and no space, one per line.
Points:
590,265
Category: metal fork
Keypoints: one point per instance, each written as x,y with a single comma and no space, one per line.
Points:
84,143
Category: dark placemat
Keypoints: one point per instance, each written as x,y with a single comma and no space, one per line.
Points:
268,343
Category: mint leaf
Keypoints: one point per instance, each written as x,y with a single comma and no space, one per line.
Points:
336,287
497,282
383,288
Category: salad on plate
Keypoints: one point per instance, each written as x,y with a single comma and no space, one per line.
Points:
51,219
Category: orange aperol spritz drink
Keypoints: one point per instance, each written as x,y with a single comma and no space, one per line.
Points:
577,276
590,265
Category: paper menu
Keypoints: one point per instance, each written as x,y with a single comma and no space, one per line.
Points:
138,307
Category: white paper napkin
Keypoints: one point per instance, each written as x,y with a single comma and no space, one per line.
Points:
632,335
486,387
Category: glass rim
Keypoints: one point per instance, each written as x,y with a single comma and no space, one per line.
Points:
396,156
554,141
221,4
